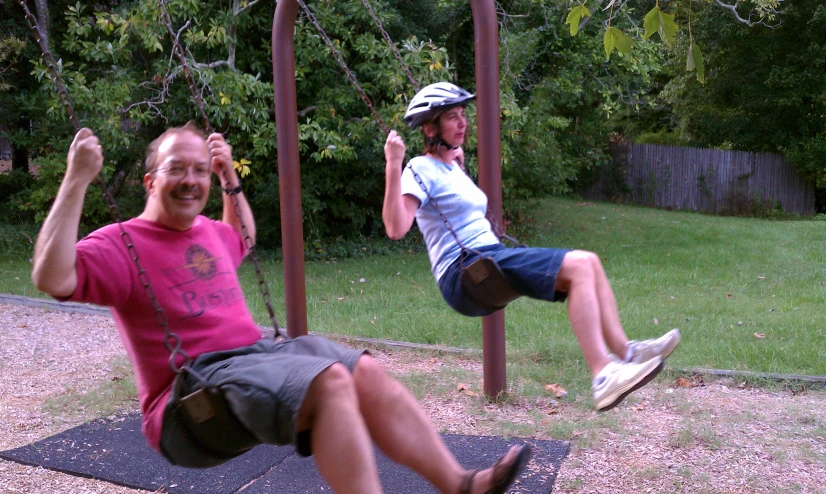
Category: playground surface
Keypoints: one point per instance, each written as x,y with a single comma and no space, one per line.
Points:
673,436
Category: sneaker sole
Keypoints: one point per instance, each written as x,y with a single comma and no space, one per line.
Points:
642,382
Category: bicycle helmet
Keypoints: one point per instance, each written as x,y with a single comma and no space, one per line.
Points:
432,100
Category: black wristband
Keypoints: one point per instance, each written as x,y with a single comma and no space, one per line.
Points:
232,192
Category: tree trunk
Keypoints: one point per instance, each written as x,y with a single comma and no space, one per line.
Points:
20,155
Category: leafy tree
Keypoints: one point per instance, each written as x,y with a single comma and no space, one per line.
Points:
560,96
765,88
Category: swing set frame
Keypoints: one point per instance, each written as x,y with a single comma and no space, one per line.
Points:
486,42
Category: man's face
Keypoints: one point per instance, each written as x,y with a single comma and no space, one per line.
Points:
179,188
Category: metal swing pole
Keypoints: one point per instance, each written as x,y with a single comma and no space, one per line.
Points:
490,173
486,42
289,174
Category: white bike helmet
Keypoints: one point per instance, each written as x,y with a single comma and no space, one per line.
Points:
434,99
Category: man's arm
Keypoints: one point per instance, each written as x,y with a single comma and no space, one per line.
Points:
222,165
54,271
398,210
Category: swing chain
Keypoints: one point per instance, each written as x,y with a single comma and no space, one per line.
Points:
172,340
179,51
391,44
438,210
51,65
262,284
337,55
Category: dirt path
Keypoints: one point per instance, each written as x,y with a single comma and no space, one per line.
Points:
714,437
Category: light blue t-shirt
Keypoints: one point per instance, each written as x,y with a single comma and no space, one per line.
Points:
459,199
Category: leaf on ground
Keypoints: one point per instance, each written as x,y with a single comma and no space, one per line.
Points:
683,383
656,321
639,407
461,386
759,335
556,389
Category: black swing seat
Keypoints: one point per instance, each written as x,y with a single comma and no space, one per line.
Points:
209,433
485,283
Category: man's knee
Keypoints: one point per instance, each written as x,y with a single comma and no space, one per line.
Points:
334,380
367,369
334,386
372,380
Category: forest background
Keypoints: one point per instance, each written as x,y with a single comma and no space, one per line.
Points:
575,76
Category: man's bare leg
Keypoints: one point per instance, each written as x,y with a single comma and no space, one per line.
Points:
341,443
403,432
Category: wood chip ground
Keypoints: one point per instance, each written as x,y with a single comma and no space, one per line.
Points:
717,437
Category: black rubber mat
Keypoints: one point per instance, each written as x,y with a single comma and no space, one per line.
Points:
115,451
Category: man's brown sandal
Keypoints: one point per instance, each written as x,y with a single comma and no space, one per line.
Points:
503,475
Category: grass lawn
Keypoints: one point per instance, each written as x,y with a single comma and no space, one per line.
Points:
747,294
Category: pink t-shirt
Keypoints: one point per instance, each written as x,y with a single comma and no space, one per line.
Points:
193,276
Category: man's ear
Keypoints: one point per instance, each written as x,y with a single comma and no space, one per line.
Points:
148,182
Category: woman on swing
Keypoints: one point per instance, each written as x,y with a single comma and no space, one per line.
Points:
547,274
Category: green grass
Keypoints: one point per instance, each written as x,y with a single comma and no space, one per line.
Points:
719,280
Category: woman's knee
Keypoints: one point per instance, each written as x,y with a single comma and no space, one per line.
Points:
578,265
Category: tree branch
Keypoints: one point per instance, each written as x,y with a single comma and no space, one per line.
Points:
241,10
748,21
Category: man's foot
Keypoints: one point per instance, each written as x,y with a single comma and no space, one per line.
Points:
500,476
618,379
643,351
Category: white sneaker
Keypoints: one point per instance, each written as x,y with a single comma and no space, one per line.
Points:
617,379
642,351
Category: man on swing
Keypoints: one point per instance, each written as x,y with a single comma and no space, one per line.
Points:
280,390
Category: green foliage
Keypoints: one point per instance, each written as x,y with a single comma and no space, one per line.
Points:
560,99
614,39
575,16
116,61
10,49
765,89
694,61
657,21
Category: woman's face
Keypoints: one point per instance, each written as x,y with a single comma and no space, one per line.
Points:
453,126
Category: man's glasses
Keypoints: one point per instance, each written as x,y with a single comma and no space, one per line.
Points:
181,171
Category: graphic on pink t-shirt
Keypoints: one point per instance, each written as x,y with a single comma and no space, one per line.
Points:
193,276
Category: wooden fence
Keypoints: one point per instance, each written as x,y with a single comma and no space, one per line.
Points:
696,179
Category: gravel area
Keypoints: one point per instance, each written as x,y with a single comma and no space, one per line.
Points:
686,435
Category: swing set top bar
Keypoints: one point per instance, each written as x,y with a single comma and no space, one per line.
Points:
486,42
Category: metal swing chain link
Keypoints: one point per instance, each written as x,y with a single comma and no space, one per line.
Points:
439,210
262,284
172,341
179,51
337,55
391,44
51,65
